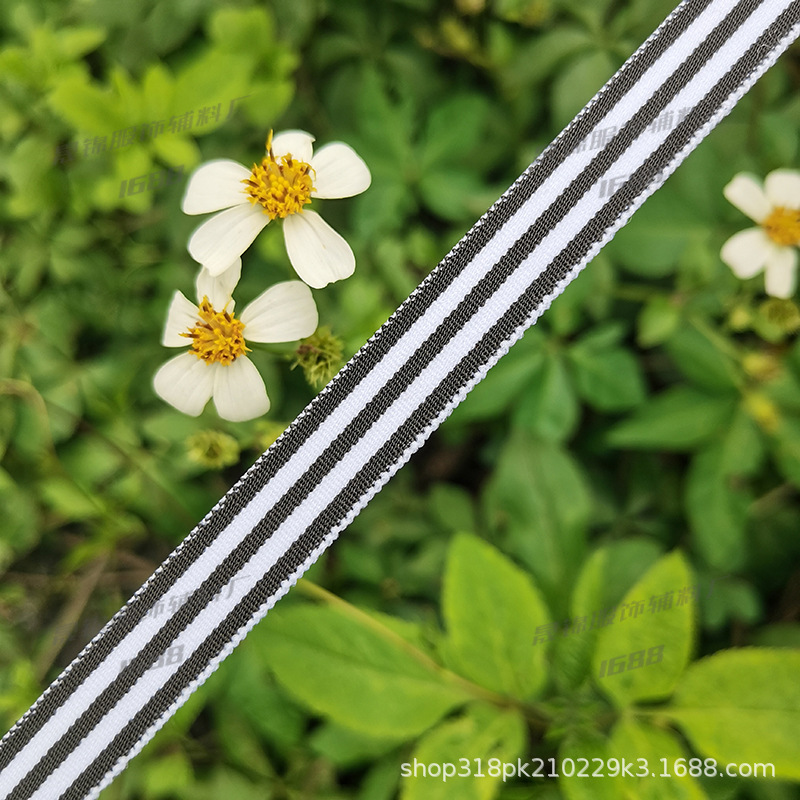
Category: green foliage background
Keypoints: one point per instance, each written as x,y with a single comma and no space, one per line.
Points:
642,438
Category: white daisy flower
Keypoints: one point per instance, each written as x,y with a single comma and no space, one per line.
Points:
216,365
775,206
289,175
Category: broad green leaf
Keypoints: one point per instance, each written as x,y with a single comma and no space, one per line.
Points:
742,446
657,321
491,609
540,497
357,673
548,406
717,512
645,646
743,706
702,359
677,419
651,753
605,578
20,520
536,59
732,600
608,379
465,745
447,140
87,108
575,84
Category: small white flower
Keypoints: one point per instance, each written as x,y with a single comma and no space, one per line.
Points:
216,364
775,206
289,175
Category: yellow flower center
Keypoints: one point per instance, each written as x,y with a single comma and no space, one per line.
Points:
783,226
217,337
282,187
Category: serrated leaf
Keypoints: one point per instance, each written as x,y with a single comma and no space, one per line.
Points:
656,622
359,677
743,706
490,609
483,732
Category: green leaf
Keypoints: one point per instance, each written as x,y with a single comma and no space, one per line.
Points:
483,732
605,578
490,609
20,520
540,497
576,83
86,107
657,321
548,407
702,360
447,140
536,59
608,379
357,673
650,636
346,748
717,512
742,446
743,706
677,419
581,747
641,746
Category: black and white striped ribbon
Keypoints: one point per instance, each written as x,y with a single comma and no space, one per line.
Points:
339,452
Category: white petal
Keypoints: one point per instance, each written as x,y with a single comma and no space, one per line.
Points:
284,313
746,252
298,143
185,382
219,241
215,185
781,272
745,192
339,171
218,289
318,254
239,392
181,316
783,188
